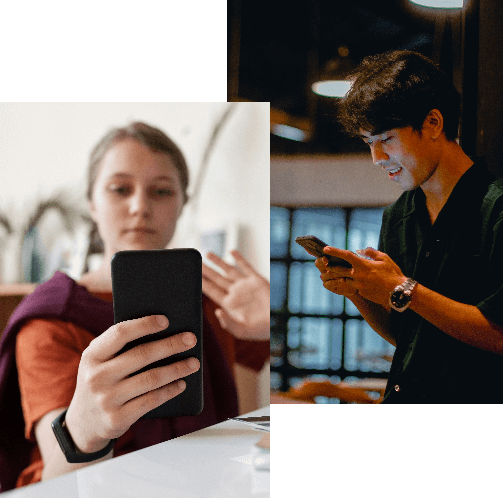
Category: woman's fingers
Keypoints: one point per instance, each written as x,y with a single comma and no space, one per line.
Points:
243,263
156,378
213,291
108,344
215,277
231,271
142,355
137,407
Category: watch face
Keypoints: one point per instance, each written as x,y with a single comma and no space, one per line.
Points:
400,299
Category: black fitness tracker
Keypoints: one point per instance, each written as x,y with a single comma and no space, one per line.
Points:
65,441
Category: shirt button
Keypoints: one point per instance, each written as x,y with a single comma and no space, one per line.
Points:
397,388
428,253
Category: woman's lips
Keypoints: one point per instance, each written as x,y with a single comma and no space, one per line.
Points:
139,230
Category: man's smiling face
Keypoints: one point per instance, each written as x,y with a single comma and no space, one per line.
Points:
405,154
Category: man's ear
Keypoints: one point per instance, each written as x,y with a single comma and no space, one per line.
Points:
434,122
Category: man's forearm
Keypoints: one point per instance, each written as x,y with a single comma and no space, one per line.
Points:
461,321
376,277
375,315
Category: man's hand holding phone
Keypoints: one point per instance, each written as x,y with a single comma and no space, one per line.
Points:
336,279
335,270
373,275
314,246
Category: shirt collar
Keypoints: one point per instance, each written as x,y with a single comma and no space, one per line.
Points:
464,194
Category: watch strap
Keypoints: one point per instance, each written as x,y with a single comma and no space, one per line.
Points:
408,285
71,452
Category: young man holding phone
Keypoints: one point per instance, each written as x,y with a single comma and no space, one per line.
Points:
434,289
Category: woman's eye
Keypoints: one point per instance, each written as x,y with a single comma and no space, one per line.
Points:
119,189
163,192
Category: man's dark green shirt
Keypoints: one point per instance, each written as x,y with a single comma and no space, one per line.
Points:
461,257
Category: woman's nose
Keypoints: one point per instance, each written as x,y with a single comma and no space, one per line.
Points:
139,204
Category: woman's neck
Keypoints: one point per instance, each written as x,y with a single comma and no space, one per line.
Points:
99,280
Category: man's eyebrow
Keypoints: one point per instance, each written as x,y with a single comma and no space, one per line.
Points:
373,135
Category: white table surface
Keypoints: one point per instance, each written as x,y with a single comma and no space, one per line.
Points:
215,462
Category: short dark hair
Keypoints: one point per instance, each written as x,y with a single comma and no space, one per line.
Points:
398,89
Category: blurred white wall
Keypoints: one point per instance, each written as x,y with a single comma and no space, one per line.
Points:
235,192
345,180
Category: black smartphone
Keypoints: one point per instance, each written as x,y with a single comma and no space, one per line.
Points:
315,246
164,282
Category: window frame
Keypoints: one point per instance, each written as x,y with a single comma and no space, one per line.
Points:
283,368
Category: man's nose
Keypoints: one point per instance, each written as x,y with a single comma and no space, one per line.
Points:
379,157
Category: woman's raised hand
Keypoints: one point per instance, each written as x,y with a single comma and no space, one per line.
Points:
243,296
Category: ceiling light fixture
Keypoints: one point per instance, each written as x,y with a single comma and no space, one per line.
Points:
334,79
331,88
289,132
440,4
291,127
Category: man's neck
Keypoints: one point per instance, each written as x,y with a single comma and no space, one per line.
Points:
453,164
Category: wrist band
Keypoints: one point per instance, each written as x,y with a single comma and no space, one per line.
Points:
71,452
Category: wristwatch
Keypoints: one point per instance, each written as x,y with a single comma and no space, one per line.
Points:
401,296
71,452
